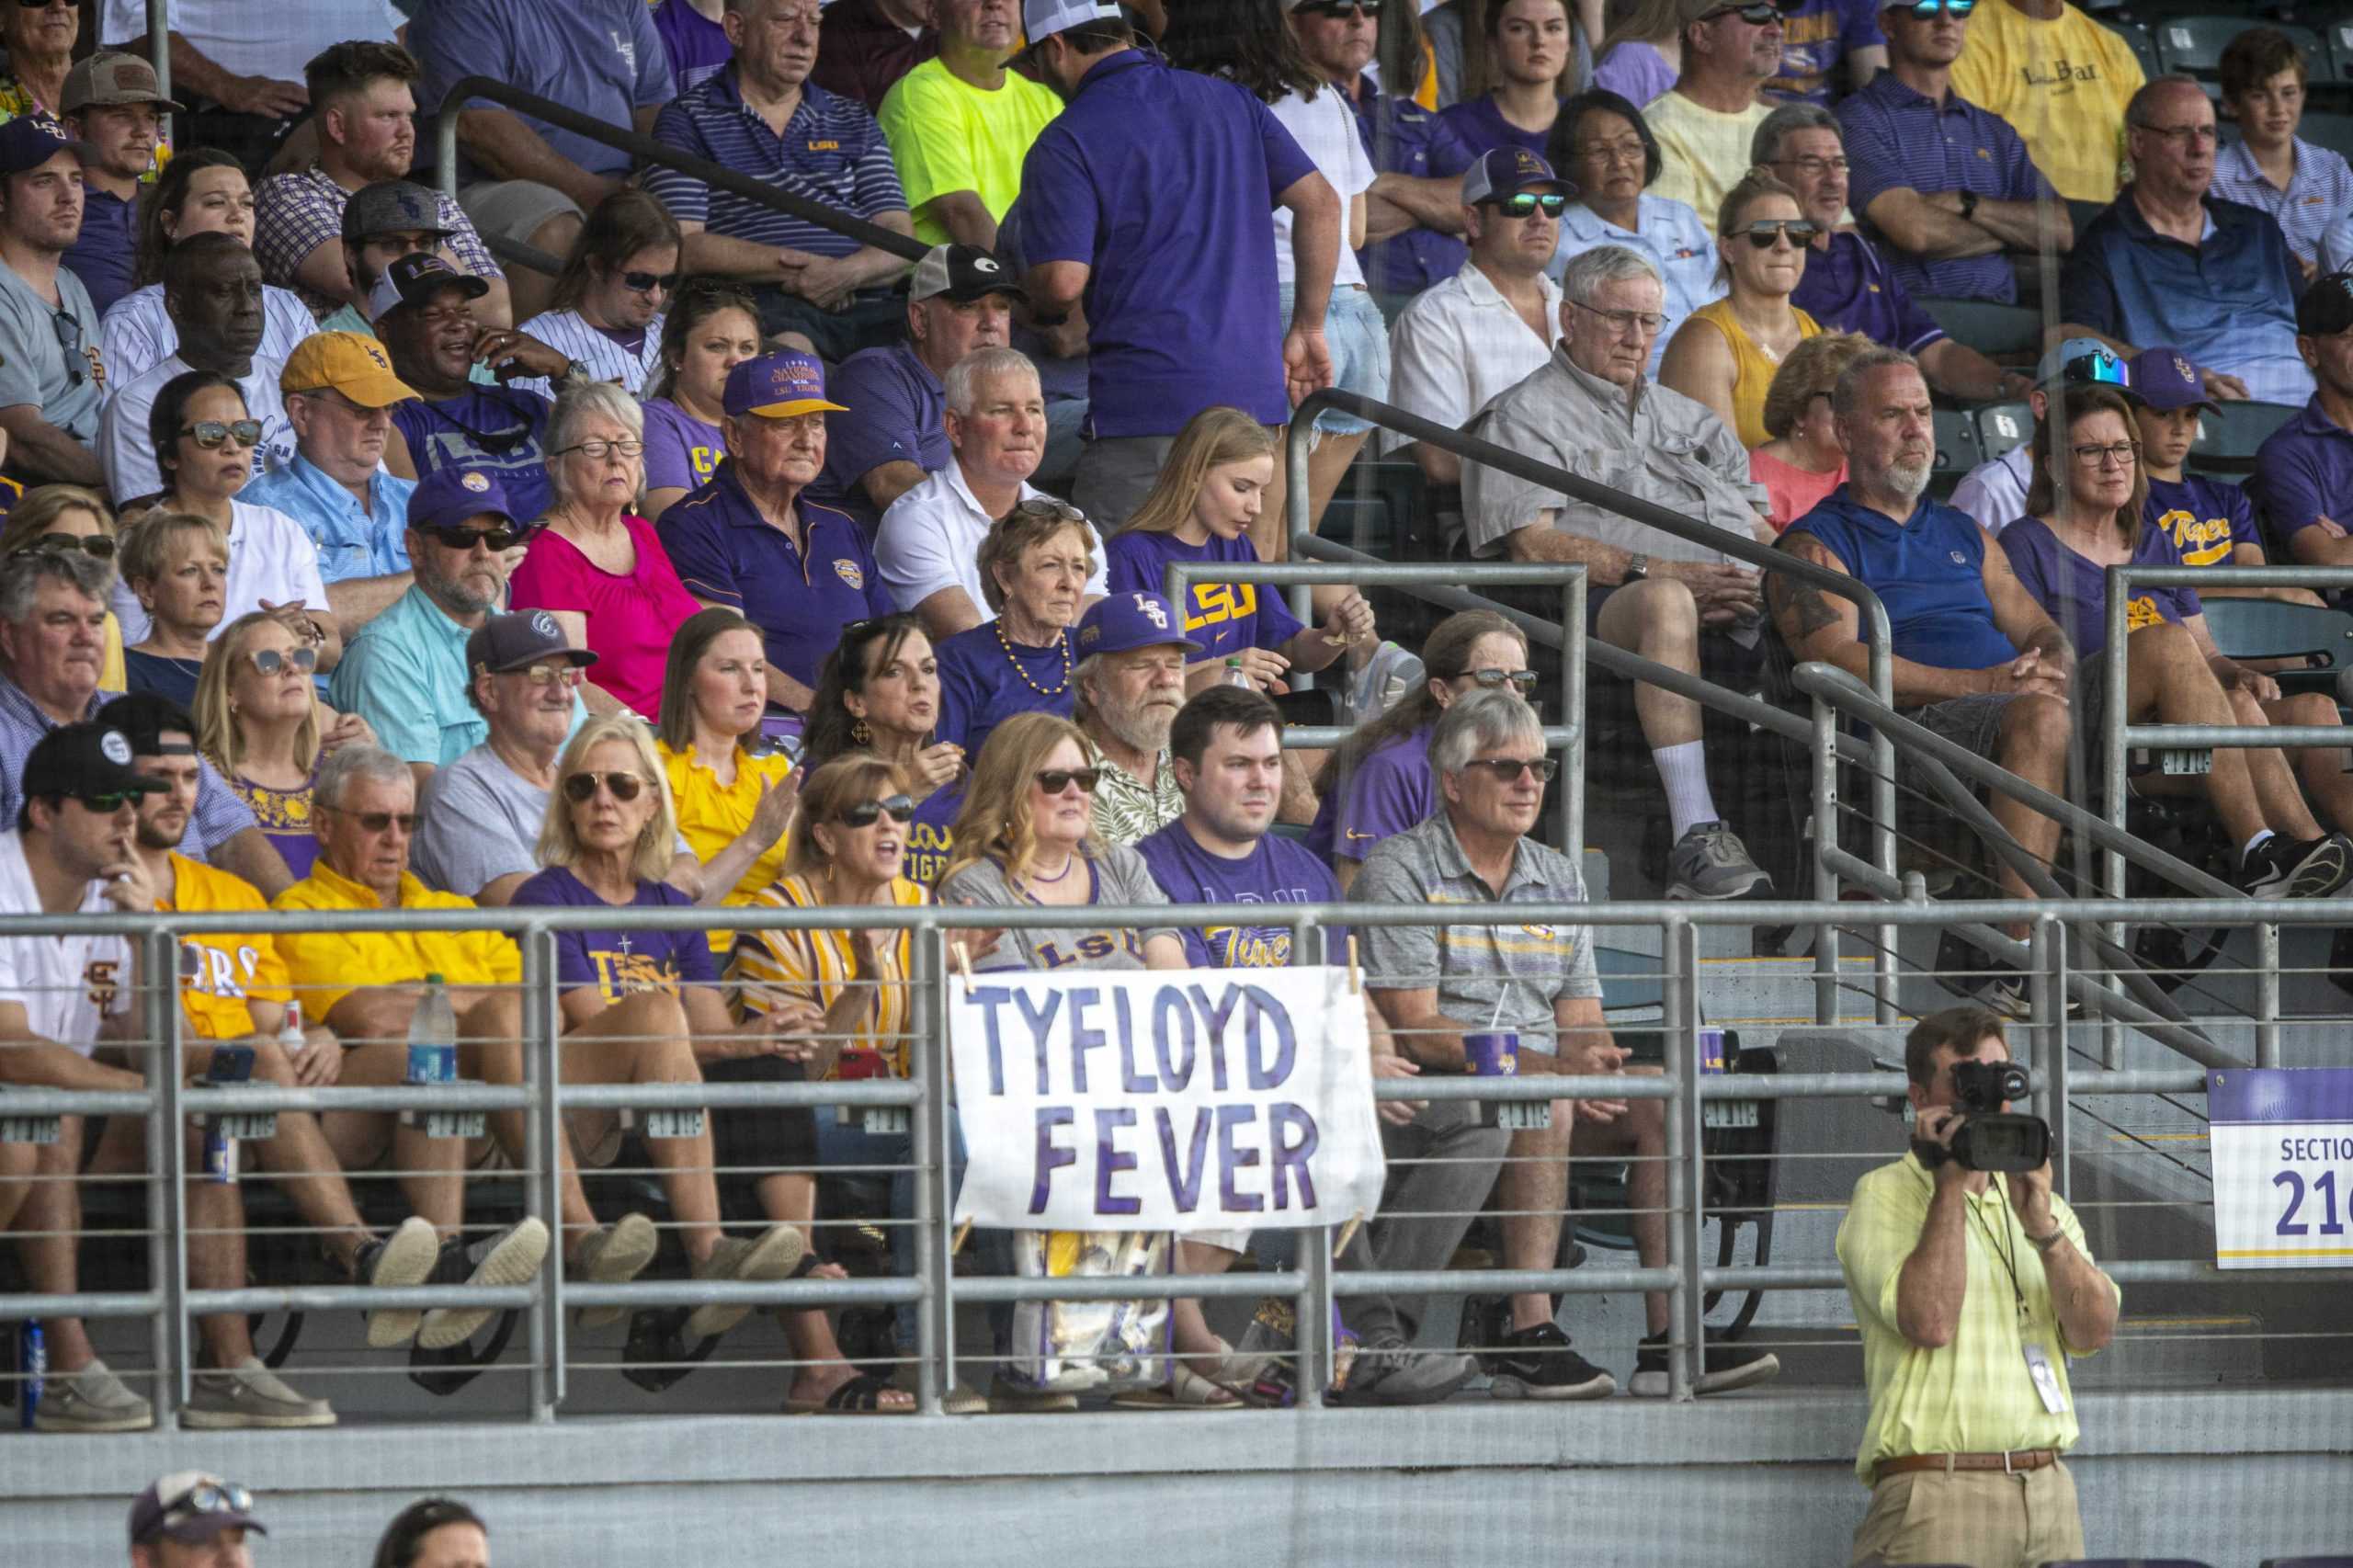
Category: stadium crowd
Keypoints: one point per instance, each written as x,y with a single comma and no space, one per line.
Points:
755,560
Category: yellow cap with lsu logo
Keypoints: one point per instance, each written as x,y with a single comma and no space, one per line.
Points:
347,362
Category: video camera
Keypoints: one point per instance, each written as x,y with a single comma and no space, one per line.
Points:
1989,1139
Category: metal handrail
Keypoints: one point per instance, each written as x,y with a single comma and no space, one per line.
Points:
646,150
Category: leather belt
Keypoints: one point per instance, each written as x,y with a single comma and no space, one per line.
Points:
2015,1462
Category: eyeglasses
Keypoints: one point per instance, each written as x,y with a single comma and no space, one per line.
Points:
1338,10
1524,203
2097,368
205,1497
548,672
898,808
1627,150
2097,455
105,805
1647,322
380,821
68,331
1765,233
579,788
2186,136
213,434
1509,770
1525,680
493,539
98,545
1055,781
1926,10
593,447
646,282
1813,165
270,660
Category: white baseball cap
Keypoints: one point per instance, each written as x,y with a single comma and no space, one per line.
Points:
1040,20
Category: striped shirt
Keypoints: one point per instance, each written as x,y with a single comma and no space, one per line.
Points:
2319,194
831,151
570,334
136,335
815,965
294,214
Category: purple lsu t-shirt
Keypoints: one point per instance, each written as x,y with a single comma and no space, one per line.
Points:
1389,792
979,688
2205,518
619,961
1224,617
1277,870
697,45
933,833
681,451
2073,591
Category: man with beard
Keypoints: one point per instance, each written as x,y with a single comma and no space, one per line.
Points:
212,293
50,376
1704,125
407,671
364,108
1131,682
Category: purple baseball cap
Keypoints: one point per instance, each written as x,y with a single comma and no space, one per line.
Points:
448,496
31,140
778,386
1508,171
1124,622
2164,378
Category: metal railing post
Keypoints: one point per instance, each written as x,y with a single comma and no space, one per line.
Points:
1826,880
543,1135
929,1147
2266,995
2051,1068
159,44
1686,1304
1311,1315
168,1176
1572,715
1297,437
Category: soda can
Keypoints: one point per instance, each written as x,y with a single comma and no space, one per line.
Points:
220,1155
32,1355
1711,1050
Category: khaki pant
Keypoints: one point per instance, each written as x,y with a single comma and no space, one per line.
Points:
1983,1518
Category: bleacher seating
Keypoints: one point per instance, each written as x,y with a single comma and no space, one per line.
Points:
2227,441
2194,44
2001,426
1994,330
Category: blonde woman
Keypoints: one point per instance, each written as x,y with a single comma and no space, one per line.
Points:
606,845
1211,490
67,517
1726,353
177,565
1802,461
261,723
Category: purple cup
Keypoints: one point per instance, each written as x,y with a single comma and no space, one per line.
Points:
1493,1055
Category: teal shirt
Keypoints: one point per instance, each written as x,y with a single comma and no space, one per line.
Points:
354,541
405,674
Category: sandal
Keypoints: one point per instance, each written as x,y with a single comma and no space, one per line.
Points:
861,1395
1186,1391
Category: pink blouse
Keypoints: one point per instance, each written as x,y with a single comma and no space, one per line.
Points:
1792,491
631,619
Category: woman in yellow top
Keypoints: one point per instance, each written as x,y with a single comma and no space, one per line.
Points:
66,517
733,797
848,847
1725,354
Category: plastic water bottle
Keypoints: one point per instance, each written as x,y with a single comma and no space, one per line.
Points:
433,1036
1235,676
32,1353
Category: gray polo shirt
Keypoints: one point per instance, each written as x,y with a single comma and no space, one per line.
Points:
34,364
1664,448
1527,967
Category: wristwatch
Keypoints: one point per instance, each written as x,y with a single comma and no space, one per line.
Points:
1968,203
1638,568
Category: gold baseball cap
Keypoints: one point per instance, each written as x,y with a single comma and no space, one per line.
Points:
351,363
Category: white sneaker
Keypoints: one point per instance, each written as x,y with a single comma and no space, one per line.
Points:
250,1394
92,1400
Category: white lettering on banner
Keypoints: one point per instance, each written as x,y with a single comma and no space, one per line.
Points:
1148,1102
2281,1144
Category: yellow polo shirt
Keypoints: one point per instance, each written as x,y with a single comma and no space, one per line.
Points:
2061,85
712,815
327,967
1975,1395
219,973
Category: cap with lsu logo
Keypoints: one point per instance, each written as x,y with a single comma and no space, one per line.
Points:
1119,623
346,362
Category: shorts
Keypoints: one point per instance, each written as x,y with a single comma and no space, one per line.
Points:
514,209
1975,723
1359,344
749,1141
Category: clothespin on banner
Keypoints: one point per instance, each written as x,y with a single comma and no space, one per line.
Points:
1356,975
957,1244
1347,1233
963,963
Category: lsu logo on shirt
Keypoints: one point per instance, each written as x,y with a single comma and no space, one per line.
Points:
926,852
1220,602
619,974
848,572
2139,611
2203,541
1087,947
1248,947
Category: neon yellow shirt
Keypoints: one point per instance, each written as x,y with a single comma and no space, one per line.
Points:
946,135
2061,85
1974,1396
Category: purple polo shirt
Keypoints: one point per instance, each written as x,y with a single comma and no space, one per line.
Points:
1147,172
1403,138
726,553
2304,472
1389,792
1897,138
1850,288
697,45
898,413
2073,591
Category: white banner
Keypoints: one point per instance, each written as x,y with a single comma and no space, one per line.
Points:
2281,1143
1210,1099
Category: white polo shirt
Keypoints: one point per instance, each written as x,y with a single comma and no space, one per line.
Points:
271,556
68,986
930,538
1459,344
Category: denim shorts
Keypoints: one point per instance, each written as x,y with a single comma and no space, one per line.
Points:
1358,340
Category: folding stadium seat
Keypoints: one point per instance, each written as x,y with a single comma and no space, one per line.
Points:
2136,36
2334,132
1992,329
2001,426
1958,449
2195,44
2227,441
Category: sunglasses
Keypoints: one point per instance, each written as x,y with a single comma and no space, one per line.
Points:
1523,679
1756,15
1926,10
205,1497
493,539
1508,769
580,787
1766,231
1522,203
548,672
898,808
213,434
68,330
378,821
646,282
1338,10
270,660
1055,780
2098,368
105,805
1046,507
98,545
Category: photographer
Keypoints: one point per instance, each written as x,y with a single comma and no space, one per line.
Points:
1971,1290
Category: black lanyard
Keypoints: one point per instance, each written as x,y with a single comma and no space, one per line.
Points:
2005,1251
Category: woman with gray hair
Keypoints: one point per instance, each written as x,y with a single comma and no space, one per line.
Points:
596,564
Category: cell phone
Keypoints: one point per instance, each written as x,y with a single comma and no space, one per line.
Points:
230,1065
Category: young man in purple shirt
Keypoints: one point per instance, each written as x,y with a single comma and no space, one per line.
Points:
1147,171
2304,471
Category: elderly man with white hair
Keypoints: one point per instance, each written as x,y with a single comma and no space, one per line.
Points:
1130,681
1592,409
929,544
